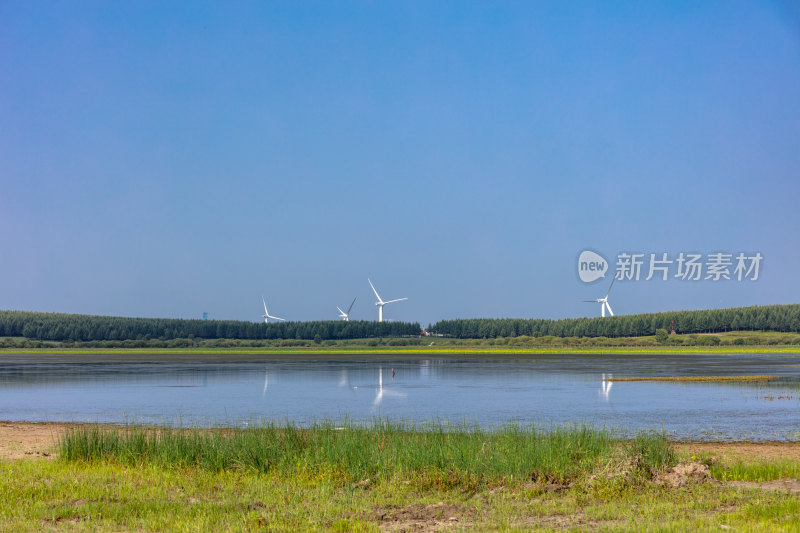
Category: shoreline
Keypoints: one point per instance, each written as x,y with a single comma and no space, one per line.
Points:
421,351
30,440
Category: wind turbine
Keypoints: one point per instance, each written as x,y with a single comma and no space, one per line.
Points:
346,316
380,303
266,314
604,301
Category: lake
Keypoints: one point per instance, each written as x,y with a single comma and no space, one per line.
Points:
545,390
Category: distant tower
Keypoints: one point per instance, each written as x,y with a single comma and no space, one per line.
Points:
205,315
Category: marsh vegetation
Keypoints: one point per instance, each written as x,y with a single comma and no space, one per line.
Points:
107,478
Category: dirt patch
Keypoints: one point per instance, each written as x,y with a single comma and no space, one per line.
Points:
556,521
20,440
746,451
628,468
792,486
684,474
68,519
576,520
431,517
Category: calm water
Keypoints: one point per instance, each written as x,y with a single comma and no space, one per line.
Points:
544,390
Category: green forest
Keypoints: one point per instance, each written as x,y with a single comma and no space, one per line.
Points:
83,328
76,329
785,318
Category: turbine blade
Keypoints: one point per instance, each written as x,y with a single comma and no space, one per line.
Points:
265,304
612,284
342,312
398,300
373,290
610,312
591,301
351,305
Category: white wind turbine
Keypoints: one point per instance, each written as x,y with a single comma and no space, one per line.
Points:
604,301
346,316
266,314
380,303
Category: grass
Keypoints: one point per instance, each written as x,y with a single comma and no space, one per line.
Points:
729,342
699,378
432,454
759,471
391,350
155,479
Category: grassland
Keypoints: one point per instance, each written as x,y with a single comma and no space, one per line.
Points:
701,379
385,477
441,454
728,342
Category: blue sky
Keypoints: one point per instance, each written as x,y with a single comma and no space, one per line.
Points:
165,159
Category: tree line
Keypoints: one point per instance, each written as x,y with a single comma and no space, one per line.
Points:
784,318
83,328
80,328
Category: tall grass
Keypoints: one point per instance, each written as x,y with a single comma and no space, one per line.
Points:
383,450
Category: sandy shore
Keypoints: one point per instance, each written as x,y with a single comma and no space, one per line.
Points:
20,440
24,439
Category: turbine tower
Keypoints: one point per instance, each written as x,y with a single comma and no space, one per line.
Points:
346,316
380,303
266,314
604,301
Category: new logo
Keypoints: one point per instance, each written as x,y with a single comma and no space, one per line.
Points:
591,266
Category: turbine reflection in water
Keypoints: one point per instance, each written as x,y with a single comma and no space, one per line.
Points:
381,391
344,381
605,390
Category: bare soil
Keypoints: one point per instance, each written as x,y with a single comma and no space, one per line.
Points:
19,440
746,451
432,517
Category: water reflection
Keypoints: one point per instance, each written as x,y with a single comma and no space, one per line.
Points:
344,381
541,390
381,390
605,388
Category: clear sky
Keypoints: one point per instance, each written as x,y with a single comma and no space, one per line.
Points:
167,158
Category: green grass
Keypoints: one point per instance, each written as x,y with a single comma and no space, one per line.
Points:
433,454
699,378
729,342
110,495
448,351
759,471
398,477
